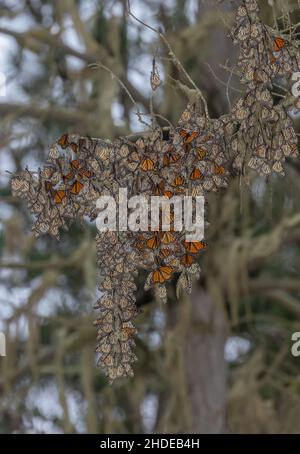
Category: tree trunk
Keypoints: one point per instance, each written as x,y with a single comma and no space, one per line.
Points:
205,364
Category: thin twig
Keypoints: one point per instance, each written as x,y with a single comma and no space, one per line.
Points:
114,76
175,60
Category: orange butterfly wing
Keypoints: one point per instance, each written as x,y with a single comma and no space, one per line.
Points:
77,187
192,137
166,271
68,176
166,161
188,137
64,141
147,164
168,238
194,246
139,245
201,153
162,274
168,194
174,157
196,175
128,331
153,242
178,181
219,170
187,260
165,252
279,43
183,133
157,277
59,196
159,188
74,147
84,173
206,138
75,164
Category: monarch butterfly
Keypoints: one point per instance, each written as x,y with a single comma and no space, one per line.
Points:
219,170
254,163
170,158
84,173
147,164
48,186
208,184
107,361
277,167
272,58
155,79
168,238
261,151
140,245
187,260
128,332
196,175
159,188
279,43
64,141
140,143
105,301
186,116
293,149
75,164
201,153
81,143
178,181
153,242
77,187
242,12
74,147
102,153
47,172
206,138
243,32
188,137
106,318
161,275
68,176
104,347
41,227
168,194
278,154
59,196
256,76
165,252
124,151
265,169
194,246
54,152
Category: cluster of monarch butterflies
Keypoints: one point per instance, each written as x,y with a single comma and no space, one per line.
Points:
117,305
265,135
197,157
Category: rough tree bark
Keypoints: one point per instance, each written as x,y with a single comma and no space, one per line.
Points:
205,364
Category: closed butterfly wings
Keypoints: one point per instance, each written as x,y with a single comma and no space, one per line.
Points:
263,58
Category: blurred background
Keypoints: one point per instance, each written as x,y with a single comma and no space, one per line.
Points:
216,361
